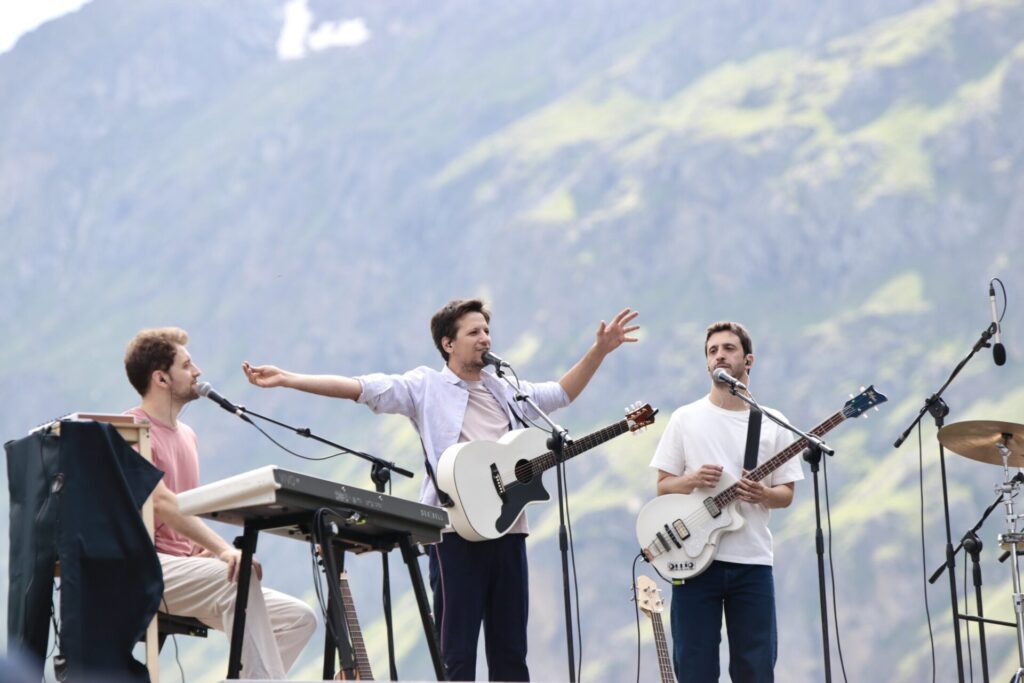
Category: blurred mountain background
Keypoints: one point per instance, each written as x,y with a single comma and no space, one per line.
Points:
304,183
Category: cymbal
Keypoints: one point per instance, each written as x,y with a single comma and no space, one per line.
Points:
977,439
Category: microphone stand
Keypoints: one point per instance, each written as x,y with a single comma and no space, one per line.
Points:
815,447
380,475
379,472
557,442
939,410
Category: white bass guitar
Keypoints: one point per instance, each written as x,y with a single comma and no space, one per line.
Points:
679,532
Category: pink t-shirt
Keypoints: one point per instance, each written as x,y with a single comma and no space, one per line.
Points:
176,453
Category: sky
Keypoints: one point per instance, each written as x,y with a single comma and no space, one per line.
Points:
18,18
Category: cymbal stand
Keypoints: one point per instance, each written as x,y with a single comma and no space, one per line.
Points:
1009,488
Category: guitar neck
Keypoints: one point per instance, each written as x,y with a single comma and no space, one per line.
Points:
779,459
548,460
664,656
352,621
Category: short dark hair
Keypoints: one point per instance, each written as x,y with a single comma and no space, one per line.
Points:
150,350
445,322
735,328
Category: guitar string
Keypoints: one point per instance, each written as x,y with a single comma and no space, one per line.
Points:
703,515
538,465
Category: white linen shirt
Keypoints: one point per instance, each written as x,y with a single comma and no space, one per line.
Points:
436,402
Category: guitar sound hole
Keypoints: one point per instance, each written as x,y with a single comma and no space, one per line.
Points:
524,473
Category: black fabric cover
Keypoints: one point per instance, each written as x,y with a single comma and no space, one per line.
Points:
32,463
111,581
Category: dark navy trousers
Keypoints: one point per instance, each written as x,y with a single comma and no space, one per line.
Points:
746,594
483,582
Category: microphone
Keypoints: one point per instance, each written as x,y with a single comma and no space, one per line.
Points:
490,359
998,350
206,389
723,377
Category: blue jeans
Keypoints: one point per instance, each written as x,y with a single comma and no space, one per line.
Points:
746,593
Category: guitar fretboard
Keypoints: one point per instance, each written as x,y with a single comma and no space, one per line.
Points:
352,621
778,460
664,658
547,460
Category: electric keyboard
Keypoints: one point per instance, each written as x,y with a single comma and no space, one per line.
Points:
281,502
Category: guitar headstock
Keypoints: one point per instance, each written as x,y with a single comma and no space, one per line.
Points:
864,401
639,416
648,596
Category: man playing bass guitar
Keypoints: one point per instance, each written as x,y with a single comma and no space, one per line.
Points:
703,439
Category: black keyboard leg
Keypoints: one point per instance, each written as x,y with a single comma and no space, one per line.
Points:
247,544
411,558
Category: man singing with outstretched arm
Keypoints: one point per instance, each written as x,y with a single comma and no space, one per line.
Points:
473,582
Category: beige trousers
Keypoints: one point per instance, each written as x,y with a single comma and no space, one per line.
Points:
277,626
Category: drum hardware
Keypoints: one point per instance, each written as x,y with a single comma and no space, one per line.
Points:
997,443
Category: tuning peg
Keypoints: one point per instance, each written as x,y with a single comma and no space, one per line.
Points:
850,395
863,388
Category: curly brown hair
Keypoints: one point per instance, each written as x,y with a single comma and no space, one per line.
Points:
151,350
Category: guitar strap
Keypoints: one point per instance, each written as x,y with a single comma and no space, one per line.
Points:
515,414
753,439
446,500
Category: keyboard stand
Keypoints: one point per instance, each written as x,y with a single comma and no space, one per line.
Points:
247,544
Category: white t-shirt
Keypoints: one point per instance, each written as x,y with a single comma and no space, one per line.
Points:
701,433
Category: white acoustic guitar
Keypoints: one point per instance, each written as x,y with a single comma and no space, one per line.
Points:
491,482
650,603
679,532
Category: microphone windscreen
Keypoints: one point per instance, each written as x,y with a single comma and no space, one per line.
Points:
999,354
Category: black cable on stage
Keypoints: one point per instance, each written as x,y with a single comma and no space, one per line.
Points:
636,608
1002,287
314,541
572,550
288,450
575,577
285,448
174,639
832,570
924,559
